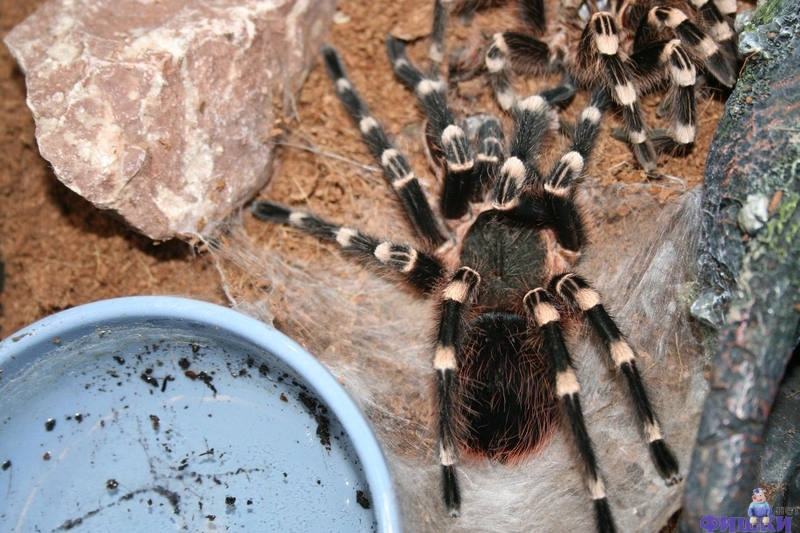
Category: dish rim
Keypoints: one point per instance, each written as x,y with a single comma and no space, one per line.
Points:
37,339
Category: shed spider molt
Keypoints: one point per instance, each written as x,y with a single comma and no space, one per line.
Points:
629,48
503,279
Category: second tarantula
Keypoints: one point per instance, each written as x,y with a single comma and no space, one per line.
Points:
502,272
629,48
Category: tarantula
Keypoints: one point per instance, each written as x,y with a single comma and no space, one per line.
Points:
629,48
503,277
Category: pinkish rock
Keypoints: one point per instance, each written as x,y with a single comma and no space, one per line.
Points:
160,110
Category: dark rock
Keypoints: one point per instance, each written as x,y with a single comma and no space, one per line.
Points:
750,277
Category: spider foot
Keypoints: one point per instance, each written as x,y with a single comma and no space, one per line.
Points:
270,212
452,496
665,462
561,95
646,155
664,143
603,518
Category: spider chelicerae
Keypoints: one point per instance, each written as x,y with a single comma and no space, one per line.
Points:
629,48
501,268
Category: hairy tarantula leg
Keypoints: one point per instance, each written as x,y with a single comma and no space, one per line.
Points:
556,207
448,137
562,94
569,169
726,7
436,50
559,186
396,169
600,39
456,296
420,270
719,24
534,118
499,72
543,315
490,154
525,49
693,38
581,296
679,105
532,15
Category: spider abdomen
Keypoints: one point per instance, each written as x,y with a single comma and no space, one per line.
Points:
508,406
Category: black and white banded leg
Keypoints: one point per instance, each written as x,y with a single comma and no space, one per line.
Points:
560,186
457,295
680,105
520,51
449,138
715,58
395,166
554,203
568,170
599,52
543,316
717,17
491,153
669,59
529,51
533,119
576,292
436,50
420,270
